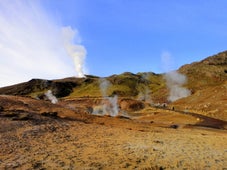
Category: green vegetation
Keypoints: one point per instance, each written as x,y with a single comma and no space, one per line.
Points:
208,72
123,85
86,89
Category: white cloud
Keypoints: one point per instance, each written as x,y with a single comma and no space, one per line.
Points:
30,44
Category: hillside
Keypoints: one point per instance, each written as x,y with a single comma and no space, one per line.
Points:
210,101
206,79
124,85
208,72
211,71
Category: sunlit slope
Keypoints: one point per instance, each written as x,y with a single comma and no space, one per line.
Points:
210,101
211,71
206,80
123,85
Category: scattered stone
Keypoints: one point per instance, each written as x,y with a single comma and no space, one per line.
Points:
158,141
89,110
10,114
22,116
174,126
1,109
52,128
127,165
37,165
50,114
122,117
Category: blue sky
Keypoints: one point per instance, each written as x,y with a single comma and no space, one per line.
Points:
119,35
131,35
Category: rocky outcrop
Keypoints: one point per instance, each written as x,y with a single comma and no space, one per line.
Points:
131,105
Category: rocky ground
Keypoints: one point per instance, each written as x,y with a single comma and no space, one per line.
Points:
156,139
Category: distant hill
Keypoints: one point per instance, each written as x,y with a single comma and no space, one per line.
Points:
206,80
124,85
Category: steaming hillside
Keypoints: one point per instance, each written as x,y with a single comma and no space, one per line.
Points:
208,72
123,85
206,81
211,71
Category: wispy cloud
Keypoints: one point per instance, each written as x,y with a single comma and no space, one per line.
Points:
31,44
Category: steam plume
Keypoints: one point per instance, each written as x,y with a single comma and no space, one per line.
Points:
145,93
31,44
77,52
174,80
111,107
104,85
51,97
109,104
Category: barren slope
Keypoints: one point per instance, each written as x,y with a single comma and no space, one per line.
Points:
107,143
210,101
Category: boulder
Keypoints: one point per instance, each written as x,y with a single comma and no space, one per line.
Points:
1,109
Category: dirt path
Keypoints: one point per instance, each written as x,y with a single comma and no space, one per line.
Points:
205,121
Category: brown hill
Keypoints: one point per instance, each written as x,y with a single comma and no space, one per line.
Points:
211,71
210,101
206,79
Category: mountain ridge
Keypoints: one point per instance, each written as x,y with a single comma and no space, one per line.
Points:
207,72
202,76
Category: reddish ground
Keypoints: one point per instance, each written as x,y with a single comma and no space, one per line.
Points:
33,137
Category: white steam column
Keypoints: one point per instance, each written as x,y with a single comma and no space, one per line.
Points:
174,79
175,82
76,51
